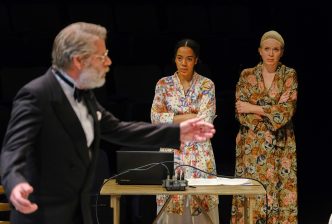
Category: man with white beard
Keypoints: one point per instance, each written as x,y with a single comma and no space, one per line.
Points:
52,141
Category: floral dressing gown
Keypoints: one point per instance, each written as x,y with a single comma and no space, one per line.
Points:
265,145
170,99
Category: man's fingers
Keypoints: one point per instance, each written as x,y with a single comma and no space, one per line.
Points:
19,198
27,209
24,205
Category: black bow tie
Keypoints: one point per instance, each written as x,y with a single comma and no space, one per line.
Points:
79,94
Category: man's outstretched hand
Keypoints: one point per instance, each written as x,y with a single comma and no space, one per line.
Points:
196,130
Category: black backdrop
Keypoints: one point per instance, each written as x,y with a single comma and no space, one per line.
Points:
141,37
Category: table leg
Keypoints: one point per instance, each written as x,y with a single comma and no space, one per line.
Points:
248,209
115,204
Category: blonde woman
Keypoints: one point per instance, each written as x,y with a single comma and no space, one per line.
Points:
266,98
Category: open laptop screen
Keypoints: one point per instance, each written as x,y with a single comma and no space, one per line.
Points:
148,174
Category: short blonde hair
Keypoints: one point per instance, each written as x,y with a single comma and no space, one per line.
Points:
273,35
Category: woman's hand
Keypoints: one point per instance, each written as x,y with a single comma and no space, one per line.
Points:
284,97
183,117
242,107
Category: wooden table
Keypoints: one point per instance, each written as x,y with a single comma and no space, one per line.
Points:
115,191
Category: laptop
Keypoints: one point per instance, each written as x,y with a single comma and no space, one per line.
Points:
143,167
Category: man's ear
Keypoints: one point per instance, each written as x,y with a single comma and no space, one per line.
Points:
78,62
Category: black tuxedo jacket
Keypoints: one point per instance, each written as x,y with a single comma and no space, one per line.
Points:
45,146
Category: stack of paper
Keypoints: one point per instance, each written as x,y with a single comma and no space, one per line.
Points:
218,181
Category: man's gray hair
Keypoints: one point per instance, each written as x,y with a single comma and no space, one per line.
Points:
76,39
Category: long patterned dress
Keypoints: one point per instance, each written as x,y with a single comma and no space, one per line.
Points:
170,99
265,145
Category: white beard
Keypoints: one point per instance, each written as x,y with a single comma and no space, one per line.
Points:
90,78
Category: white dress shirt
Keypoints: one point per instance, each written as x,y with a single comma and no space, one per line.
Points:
80,109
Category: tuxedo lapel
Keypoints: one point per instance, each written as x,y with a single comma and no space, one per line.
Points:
91,105
69,120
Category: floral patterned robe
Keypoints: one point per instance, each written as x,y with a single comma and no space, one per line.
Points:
169,100
265,145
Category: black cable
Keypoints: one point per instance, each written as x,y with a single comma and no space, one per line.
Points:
151,165
233,177
140,168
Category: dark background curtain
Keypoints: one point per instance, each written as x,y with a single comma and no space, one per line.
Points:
141,39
